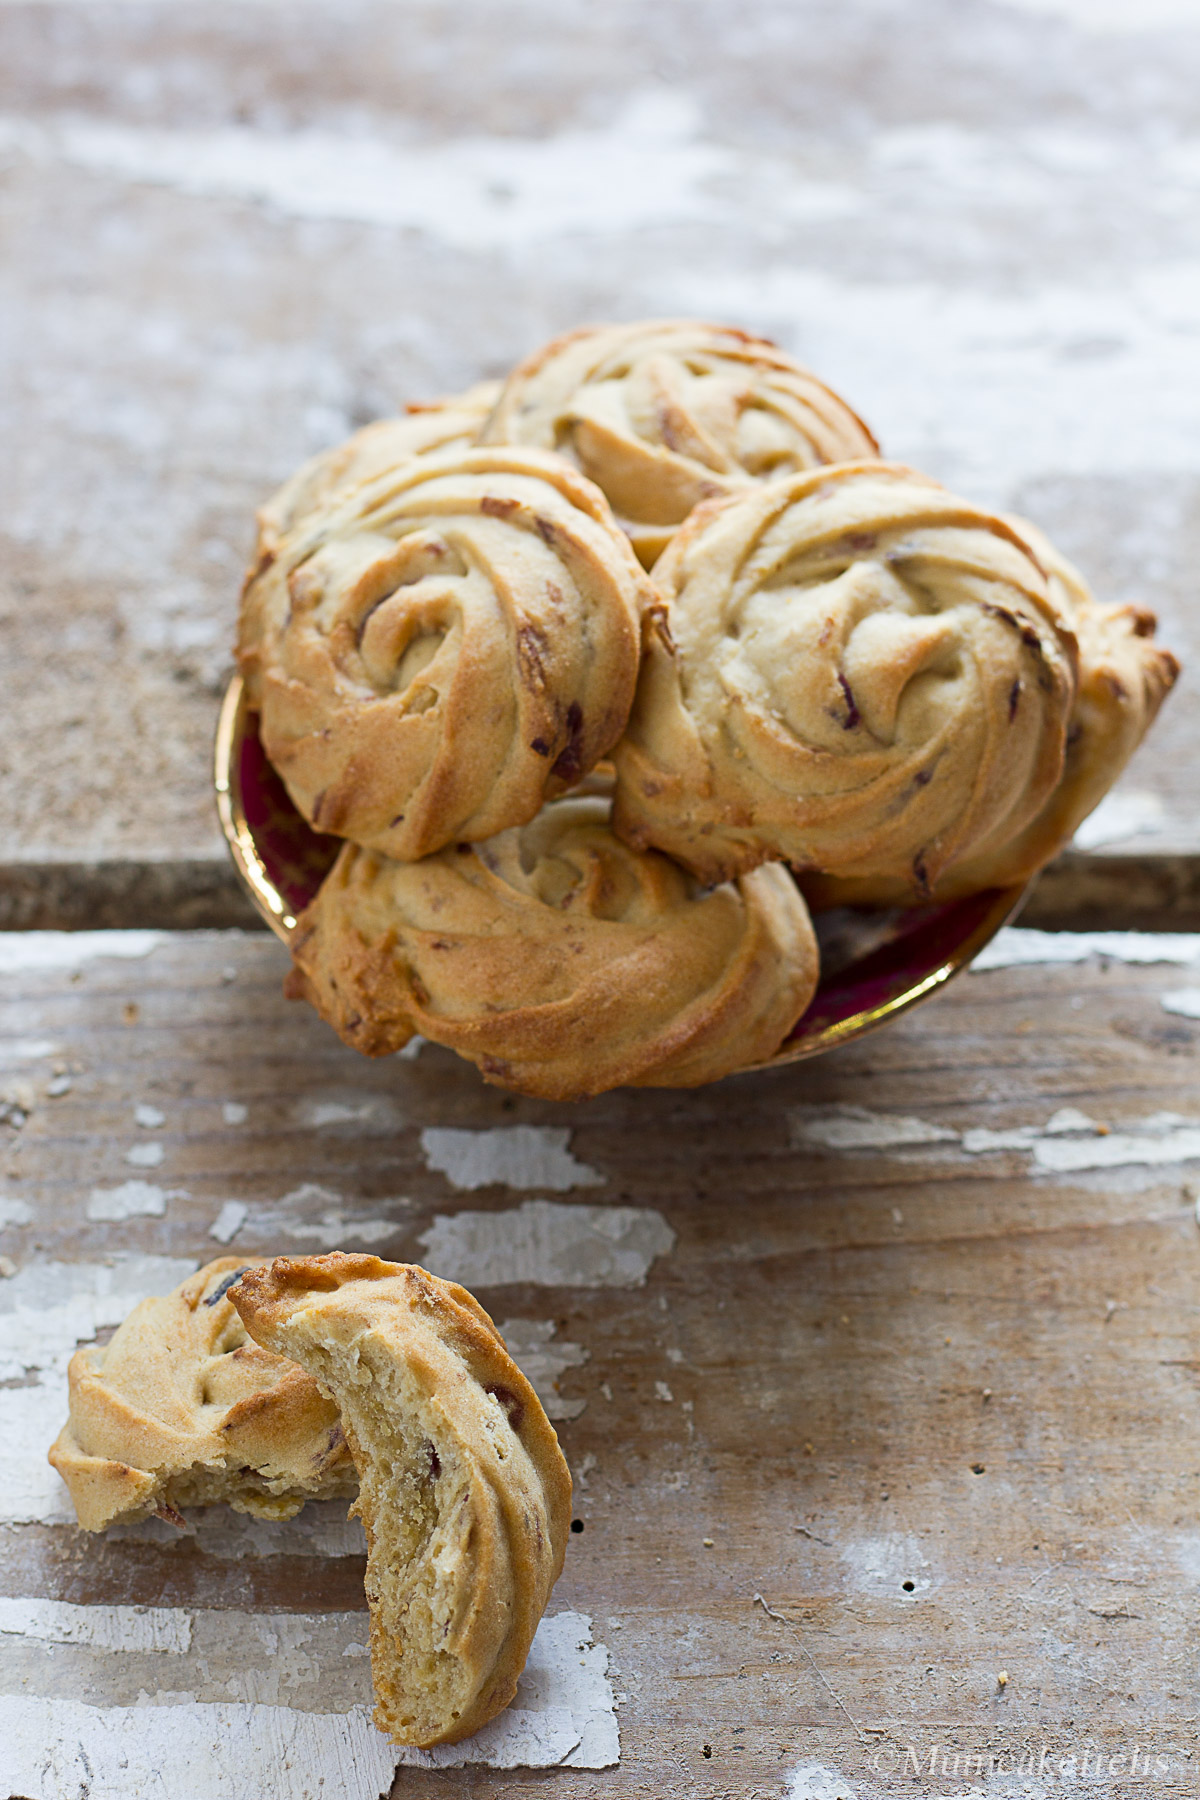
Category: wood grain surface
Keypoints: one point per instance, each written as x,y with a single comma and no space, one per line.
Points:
231,234
893,1459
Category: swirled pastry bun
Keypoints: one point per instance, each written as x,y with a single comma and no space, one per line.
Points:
670,412
464,1492
180,1408
379,447
851,670
438,650
558,959
1124,677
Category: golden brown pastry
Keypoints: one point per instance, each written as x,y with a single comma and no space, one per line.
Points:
383,445
438,650
1124,676
669,412
179,1409
558,959
464,1492
851,670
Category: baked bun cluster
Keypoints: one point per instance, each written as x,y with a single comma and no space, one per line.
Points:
815,673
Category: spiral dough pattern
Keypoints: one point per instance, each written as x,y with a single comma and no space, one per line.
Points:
852,671
665,414
437,651
558,959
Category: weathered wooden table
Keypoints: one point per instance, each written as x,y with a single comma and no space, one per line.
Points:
877,1375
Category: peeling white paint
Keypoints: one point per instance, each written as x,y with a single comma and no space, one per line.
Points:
1185,1002
27,952
132,1200
374,1112
145,1156
27,1050
882,1565
333,1227
120,1628
515,1156
650,165
229,1221
1016,947
1123,814
1119,17
234,1113
149,1117
815,1781
856,1128
14,1212
562,1716
1069,1142
549,1244
542,1361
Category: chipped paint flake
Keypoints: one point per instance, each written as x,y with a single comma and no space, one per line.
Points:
229,1221
18,1050
234,1113
331,1227
122,1628
14,1212
132,1200
515,1156
562,1715
1017,947
549,1244
1183,1002
149,1117
542,1361
145,1156
855,1128
26,952
815,1781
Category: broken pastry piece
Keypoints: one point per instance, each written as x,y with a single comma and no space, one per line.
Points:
181,1408
463,1490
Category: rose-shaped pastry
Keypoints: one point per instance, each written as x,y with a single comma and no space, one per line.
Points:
385,444
1124,677
852,670
436,651
558,959
665,414
181,1409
